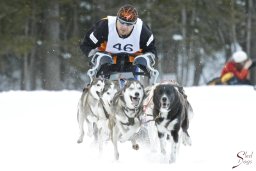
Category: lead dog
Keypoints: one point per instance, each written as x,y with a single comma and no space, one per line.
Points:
88,106
125,118
171,113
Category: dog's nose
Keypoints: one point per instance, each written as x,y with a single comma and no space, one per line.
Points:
164,99
137,94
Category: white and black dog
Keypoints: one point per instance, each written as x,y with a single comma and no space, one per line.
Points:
104,107
88,107
172,113
125,118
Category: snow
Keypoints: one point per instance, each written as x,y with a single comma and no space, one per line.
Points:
39,130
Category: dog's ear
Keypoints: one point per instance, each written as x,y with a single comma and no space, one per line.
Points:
117,95
101,77
122,82
87,87
181,90
156,96
116,84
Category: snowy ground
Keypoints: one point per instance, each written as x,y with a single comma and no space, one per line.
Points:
38,132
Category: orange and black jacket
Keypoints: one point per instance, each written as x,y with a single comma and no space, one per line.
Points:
100,30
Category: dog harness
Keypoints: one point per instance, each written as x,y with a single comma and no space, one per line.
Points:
130,119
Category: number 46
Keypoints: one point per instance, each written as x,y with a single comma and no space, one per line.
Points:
127,47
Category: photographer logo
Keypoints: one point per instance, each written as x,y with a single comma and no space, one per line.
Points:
244,158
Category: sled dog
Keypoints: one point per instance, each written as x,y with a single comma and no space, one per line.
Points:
88,107
172,113
126,110
106,100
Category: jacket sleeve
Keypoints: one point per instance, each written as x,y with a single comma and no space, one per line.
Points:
147,40
242,75
96,35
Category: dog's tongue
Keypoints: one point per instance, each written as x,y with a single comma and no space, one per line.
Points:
135,101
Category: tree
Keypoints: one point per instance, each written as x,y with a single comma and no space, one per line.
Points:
52,56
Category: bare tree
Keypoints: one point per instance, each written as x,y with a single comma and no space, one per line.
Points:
52,58
28,74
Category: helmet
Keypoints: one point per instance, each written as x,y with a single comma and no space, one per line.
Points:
239,56
128,13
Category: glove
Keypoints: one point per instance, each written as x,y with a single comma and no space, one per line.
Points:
93,55
150,56
107,58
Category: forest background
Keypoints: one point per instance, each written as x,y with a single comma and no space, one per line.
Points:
39,40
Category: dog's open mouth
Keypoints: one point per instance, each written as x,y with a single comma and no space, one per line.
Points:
165,105
135,100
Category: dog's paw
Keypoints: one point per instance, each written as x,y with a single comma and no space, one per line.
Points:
135,146
186,140
172,160
116,156
79,141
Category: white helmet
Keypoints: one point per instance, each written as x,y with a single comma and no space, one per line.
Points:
239,56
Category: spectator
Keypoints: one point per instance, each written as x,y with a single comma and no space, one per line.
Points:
236,70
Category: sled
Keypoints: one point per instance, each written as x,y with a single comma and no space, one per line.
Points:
124,66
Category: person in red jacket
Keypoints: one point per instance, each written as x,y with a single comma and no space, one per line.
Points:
236,70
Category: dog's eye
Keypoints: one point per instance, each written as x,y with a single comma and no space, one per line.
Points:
98,85
108,93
